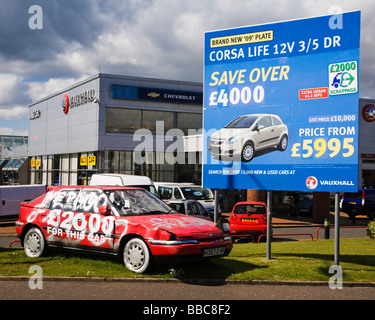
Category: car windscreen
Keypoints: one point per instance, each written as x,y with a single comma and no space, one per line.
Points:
148,187
136,202
242,122
178,207
353,195
250,209
197,193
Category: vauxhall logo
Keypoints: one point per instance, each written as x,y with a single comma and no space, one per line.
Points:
77,99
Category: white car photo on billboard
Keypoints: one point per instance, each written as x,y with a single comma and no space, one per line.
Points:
241,138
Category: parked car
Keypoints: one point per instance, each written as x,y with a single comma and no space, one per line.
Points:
128,222
359,203
243,136
304,202
248,217
190,208
187,191
126,180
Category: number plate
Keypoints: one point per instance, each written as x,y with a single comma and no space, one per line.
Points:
249,220
213,252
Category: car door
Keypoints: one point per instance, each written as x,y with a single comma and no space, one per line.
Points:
279,127
57,216
265,135
92,228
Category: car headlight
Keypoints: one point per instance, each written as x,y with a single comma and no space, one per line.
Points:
173,242
223,224
234,139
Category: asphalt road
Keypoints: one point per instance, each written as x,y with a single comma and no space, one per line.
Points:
155,290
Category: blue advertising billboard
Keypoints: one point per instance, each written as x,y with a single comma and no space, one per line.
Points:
281,105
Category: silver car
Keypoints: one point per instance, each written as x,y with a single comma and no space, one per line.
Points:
246,134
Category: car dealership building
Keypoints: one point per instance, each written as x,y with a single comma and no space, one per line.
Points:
96,125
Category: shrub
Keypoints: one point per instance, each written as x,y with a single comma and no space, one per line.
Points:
371,229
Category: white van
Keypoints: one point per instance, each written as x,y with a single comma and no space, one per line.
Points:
128,180
12,196
186,191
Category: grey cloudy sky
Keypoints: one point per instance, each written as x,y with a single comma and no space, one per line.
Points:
146,38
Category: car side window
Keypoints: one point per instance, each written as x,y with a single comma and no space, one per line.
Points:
177,193
165,192
178,207
195,209
265,121
276,121
90,201
201,209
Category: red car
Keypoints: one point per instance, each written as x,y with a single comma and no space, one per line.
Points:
127,222
248,217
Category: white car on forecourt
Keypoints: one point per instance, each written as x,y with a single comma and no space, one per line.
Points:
243,136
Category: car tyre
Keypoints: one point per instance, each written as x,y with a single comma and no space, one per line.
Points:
283,143
247,153
34,243
137,256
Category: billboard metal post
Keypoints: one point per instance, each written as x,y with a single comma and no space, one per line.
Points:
216,206
269,223
337,228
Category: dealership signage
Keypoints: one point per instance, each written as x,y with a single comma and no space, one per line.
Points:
156,94
35,115
77,99
87,160
368,113
281,105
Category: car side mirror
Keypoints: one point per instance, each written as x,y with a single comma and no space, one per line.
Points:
105,210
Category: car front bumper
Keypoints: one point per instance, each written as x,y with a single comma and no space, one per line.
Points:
190,251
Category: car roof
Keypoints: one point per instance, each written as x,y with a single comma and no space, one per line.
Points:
250,202
180,200
56,188
260,114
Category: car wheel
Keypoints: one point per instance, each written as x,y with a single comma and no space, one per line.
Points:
247,152
34,243
136,255
283,143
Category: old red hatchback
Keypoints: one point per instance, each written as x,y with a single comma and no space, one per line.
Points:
248,217
128,222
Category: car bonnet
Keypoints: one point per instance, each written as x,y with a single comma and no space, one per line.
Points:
226,133
178,224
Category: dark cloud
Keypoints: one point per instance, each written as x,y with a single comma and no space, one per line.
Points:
64,22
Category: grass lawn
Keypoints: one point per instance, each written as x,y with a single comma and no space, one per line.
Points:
291,260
